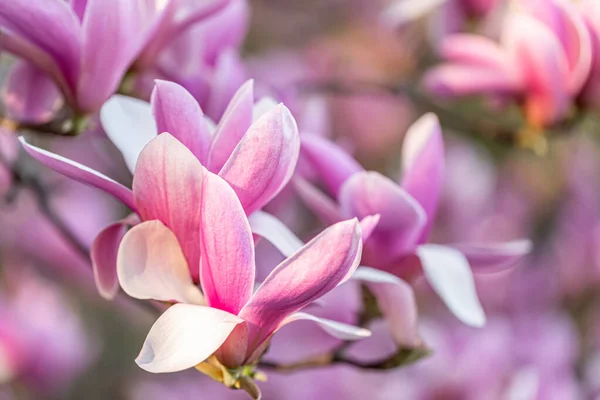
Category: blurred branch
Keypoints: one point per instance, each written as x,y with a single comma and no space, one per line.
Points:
63,124
479,126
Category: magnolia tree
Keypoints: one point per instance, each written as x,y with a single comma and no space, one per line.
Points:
258,211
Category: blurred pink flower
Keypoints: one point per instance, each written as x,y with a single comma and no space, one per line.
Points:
542,61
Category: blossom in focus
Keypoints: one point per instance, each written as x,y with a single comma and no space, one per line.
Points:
91,46
398,244
257,158
542,61
227,320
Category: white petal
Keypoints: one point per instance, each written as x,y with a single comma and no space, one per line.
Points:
151,265
449,273
269,227
334,328
129,124
184,336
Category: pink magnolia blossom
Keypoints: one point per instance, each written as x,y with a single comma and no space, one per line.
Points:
398,244
542,61
152,264
256,158
92,43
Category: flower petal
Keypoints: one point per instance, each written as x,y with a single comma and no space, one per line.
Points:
167,186
232,127
264,160
29,94
310,273
151,265
423,165
110,34
227,249
332,163
178,113
396,300
80,173
129,124
494,257
401,217
317,201
104,256
336,329
269,227
184,336
49,25
449,274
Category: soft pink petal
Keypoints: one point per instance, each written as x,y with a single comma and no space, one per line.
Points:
474,50
313,271
451,80
229,75
167,186
543,67
272,229
336,329
494,257
50,25
232,127
110,34
227,249
151,265
179,114
449,274
317,201
29,94
129,124
423,165
264,160
184,336
396,300
104,257
402,219
332,163
80,173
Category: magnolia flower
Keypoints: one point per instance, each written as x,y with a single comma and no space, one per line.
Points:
85,47
542,60
398,244
226,319
256,158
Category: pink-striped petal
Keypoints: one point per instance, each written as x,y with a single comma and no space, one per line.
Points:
474,50
449,274
368,225
543,67
423,165
227,249
276,232
129,124
151,265
333,164
167,186
110,34
396,300
232,127
80,173
178,113
184,336
103,254
494,257
313,271
402,218
29,94
264,160
51,26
